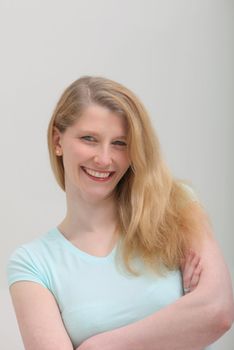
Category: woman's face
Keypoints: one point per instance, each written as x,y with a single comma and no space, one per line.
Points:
95,155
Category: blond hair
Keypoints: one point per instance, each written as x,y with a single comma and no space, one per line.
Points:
152,219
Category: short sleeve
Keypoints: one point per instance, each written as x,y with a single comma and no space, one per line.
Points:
21,267
191,192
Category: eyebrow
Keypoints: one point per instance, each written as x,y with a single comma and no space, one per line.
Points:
89,132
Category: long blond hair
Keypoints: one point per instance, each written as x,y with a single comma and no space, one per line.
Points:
152,219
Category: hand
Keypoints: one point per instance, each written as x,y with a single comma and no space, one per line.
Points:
191,269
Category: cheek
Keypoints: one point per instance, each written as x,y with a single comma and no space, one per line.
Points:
125,162
81,152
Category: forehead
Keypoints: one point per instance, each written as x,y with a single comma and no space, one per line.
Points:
101,119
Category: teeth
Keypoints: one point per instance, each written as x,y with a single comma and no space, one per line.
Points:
96,174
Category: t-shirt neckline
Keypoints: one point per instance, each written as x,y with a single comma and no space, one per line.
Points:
82,253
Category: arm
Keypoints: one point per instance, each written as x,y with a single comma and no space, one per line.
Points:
192,322
38,317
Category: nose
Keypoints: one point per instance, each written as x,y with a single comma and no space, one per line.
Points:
103,158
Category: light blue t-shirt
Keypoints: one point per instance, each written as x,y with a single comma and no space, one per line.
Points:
94,294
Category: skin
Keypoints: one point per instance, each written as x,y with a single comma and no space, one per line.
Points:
97,141
191,269
90,223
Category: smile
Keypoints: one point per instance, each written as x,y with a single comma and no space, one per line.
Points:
97,174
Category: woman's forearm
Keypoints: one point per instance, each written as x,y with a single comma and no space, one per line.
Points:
180,326
188,324
183,325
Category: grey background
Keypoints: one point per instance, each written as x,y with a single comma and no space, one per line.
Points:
177,55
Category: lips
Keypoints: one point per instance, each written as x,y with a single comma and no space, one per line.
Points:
98,175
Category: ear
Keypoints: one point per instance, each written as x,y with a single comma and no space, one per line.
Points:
57,141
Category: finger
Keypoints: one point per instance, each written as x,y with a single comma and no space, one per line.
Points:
185,262
194,261
182,264
195,277
187,269
191,275
190,266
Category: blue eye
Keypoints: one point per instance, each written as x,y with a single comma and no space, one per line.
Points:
88,138
120,143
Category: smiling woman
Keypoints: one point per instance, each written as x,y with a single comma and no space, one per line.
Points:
135,251
93,152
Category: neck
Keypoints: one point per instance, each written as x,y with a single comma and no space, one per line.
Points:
89,217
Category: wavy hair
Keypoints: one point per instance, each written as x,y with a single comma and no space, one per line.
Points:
155,220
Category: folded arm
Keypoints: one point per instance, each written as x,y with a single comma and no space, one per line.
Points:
193,321
38,317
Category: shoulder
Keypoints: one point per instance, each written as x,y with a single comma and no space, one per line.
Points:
33,248
27,262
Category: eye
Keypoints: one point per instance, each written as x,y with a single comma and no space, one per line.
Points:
119,143
88,138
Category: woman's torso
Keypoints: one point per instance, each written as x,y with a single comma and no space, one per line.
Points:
94,294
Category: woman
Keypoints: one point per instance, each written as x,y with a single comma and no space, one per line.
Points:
109,275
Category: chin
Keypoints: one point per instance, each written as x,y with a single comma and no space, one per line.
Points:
97,197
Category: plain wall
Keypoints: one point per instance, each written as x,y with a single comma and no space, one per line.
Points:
177,55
